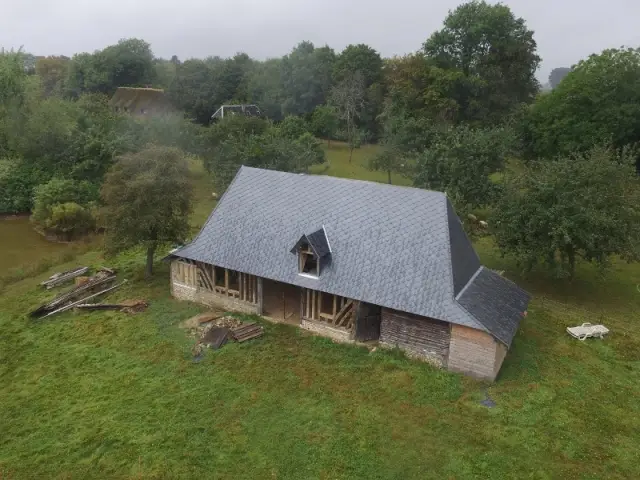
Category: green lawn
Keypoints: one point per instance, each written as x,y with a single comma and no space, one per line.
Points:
106,395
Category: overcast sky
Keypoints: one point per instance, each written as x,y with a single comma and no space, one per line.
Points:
566,30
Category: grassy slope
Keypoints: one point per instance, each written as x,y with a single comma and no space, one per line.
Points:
105,395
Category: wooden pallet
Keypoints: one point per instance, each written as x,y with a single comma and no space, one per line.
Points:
247,332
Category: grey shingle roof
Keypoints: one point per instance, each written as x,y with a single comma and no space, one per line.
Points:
317,241
496,302
391,246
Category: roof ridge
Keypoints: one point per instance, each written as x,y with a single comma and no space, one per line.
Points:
351,180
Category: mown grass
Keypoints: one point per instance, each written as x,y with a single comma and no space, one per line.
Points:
106,395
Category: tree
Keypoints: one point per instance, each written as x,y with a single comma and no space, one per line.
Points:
127,63
306,75
349,99
388,160
598,102
366,60
238,143
556,76
324,122
559,211
148,198
53,72
496,55
293,127
460,160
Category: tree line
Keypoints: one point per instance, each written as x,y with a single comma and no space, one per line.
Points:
463,114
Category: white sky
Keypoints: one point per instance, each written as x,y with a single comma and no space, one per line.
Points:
566,30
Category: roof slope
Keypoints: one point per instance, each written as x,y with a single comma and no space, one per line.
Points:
496,302
136,99
390,246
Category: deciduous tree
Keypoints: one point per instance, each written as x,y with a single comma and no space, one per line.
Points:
148,199
348,97
496,54
558,211
598,102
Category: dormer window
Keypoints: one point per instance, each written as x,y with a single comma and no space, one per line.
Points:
313,252
308,261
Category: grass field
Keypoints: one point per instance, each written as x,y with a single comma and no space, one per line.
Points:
106,395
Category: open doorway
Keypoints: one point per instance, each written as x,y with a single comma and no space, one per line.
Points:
281,302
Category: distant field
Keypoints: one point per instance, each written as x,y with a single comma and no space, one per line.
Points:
106,395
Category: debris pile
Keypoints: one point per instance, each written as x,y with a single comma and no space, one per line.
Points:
99,284
214,329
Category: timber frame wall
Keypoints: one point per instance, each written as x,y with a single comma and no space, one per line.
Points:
337,320
210,285
454,347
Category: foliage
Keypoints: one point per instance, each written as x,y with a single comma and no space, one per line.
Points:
16,185
367,61
270,149
58,191
575,207
293,127
148,198
127,63
597,102
390,160
324,122
557,75
200,87
69,220
306,78
460,161
496,55
348,97
53,72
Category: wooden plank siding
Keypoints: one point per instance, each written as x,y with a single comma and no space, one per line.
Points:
420,337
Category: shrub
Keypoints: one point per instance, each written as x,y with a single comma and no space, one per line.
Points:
69,220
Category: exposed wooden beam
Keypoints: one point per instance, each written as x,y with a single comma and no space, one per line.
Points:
335,305
226,280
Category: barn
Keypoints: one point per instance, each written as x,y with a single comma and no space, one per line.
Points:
356,261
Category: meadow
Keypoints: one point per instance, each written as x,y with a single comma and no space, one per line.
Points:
110,395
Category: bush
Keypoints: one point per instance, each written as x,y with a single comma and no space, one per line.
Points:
64,207
69,220
17,182
293,127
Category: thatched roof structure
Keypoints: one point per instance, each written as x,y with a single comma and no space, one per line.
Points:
140,101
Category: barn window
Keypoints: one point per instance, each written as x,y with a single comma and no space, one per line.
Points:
308,261
314,252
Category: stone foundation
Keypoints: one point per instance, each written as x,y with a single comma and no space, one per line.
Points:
211,299
336,334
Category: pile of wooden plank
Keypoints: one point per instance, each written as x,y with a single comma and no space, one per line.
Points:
99,284
247,331
63,277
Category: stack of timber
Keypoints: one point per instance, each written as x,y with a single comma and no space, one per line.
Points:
63,277
247,332
101,283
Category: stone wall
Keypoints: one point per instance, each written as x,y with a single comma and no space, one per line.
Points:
472,352
420,337
501,352
336,334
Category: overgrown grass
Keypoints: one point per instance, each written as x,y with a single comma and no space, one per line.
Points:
106,395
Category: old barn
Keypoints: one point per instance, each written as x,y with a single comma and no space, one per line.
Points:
355,261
